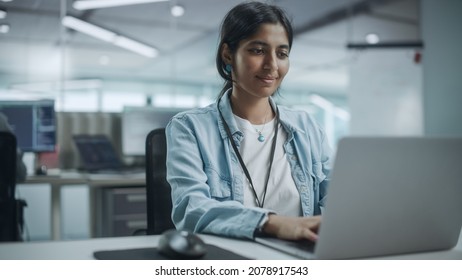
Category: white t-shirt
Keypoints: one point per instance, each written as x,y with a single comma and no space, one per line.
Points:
282,195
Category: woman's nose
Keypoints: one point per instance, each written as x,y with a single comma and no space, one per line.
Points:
271,62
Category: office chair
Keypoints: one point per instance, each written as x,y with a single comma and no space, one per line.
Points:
158,199
11,209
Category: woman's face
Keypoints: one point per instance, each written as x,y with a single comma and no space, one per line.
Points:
261,62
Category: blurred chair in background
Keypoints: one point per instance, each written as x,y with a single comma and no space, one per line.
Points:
21,171
158,199
11,209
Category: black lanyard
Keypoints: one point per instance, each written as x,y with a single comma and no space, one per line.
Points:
247,174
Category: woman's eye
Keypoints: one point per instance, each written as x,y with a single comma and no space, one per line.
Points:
257,51
283,54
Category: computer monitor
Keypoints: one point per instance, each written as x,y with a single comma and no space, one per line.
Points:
137,122
33,123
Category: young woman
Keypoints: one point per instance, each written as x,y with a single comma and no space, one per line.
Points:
244,165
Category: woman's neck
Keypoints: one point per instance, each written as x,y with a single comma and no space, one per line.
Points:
255,110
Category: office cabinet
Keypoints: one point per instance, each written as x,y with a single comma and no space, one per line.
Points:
119,211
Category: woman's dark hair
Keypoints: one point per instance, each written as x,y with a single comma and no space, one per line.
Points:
242,22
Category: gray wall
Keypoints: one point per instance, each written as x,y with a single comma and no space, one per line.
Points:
442,71
381,103
385,99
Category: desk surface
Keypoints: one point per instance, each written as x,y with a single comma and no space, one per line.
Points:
83,249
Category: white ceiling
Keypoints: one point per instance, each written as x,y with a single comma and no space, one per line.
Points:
31,51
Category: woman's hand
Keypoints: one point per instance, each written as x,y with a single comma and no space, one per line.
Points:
293,228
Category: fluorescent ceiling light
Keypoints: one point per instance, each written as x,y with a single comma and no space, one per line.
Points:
4,28
135,46
109,36
89,29
3,13
97,4
65,85
372,38
177,11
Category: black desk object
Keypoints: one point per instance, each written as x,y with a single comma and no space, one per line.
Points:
213,253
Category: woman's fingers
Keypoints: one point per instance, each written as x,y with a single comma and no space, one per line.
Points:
294,228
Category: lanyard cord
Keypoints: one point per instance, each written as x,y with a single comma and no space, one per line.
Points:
247,174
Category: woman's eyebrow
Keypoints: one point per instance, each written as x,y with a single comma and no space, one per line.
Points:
262,43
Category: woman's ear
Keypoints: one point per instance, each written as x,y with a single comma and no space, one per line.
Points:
226,54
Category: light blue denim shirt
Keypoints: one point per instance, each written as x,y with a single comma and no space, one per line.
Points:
208,183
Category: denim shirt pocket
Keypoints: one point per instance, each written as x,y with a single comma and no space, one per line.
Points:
220,185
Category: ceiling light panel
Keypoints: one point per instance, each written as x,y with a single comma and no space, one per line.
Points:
372,38
98,4
3,13
135,46
89,29
109,36
4,28
177,11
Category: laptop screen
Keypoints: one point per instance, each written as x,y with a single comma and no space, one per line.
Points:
97,152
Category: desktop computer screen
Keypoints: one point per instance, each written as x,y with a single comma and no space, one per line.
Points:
33,123
137,122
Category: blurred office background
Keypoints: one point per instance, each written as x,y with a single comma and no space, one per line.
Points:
361,67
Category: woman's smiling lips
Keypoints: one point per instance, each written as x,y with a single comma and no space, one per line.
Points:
266,79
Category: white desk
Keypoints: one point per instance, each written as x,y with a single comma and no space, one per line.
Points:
74,178
83,250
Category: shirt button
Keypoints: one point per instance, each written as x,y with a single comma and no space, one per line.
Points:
294,158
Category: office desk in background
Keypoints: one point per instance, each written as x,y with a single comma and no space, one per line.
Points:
93,181
83,249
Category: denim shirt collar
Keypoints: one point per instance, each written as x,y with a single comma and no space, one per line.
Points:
224,105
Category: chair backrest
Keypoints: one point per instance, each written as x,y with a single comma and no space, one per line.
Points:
11,209
158,198
7,165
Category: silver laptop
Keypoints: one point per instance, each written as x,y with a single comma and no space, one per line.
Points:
388,196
